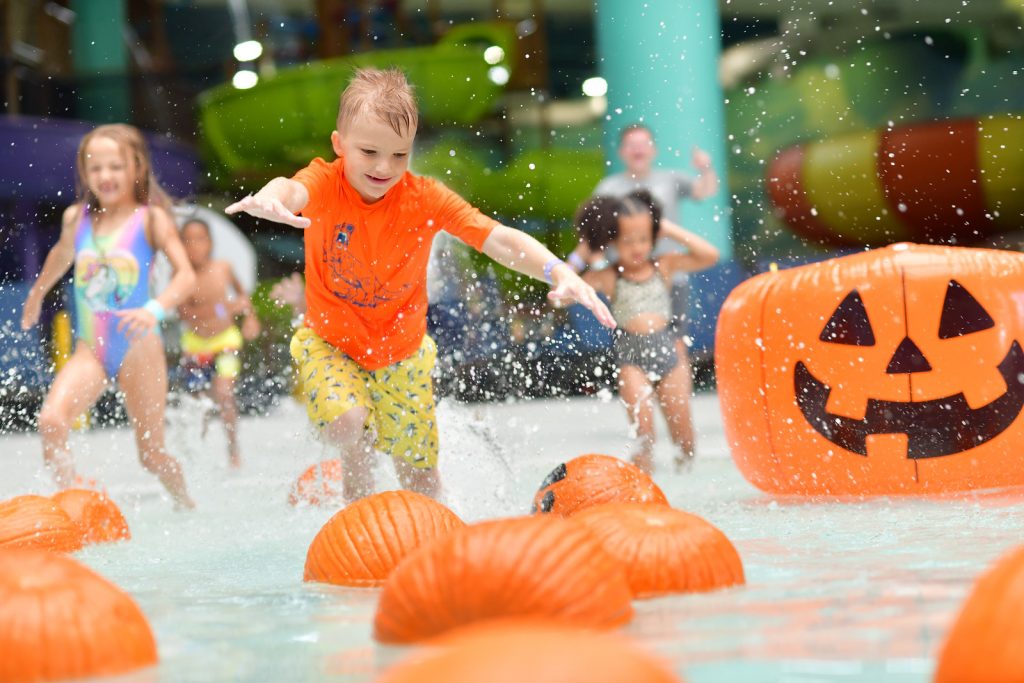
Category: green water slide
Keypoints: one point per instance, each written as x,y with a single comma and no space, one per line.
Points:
286,119
543,184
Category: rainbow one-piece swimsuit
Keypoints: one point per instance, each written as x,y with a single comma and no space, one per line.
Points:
111,275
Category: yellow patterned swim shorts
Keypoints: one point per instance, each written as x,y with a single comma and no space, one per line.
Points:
399,398
220,350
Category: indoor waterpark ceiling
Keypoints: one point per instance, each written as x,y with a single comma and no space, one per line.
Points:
823,9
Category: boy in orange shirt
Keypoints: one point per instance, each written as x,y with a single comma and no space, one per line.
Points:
364,355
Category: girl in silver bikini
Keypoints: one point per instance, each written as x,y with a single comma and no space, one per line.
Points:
651,363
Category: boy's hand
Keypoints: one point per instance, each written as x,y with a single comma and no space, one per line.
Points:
701,160
250,327
269,209
568,287
291,291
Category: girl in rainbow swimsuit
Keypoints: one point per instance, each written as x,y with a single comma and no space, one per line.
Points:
110,236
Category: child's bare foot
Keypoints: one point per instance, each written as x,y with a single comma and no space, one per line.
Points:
645,461
80,482
207,418
684,462
182,503
234,461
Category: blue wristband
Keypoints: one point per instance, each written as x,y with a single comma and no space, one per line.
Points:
154,307
549,266
576,262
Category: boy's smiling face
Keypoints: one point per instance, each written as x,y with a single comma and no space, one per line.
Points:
375,155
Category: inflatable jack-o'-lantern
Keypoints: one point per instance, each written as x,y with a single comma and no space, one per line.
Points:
898,370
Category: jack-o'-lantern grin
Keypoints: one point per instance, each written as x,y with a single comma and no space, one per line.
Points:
934,428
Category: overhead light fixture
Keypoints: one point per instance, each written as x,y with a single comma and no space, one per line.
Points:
245,79
595,87
248,50
526,27
498,75
494,54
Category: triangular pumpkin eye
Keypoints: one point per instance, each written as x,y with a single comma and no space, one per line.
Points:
849,323
961,313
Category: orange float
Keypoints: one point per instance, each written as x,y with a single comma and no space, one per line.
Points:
594,479
361,544
982,645
664,550
527,566
320,484
538,652
98,517
59,620
37,522
894,371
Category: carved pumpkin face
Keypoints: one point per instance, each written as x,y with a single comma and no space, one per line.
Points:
594,479
894,371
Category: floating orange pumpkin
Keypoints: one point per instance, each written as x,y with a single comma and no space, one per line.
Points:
320,484
898,370
592,480
37,522
99,517
983,644
538,652
361,544
664,550
528,566
59,620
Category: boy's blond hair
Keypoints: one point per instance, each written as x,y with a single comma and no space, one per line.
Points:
385,93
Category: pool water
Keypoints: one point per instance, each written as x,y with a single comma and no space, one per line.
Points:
836,591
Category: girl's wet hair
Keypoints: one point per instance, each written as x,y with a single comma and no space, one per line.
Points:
639,202
597,221
147,189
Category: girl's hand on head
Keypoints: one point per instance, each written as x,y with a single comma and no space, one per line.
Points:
31,311
136,322
269,209
568,287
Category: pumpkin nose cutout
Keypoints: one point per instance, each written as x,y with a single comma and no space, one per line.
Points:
907,358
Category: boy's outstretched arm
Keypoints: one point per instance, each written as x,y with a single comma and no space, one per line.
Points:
516,250
279,200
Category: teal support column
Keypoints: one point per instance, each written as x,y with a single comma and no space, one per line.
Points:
660,58
101,60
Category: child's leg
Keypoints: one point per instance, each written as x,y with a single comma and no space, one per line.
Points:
674,393
143,379
635,391
76,387
338,402
425,480
223,390
350,434
406,419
